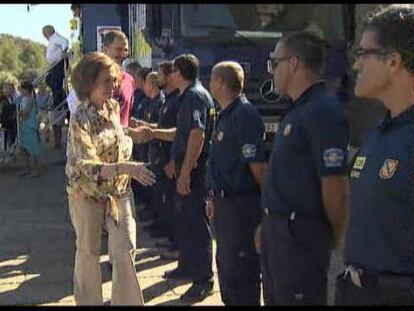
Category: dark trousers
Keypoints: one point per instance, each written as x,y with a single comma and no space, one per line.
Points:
195,243
164,196
378,290
55,81
295,260
10,136
238,264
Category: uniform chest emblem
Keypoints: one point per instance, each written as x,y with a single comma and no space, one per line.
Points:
220,136
388,169
359,163
287,129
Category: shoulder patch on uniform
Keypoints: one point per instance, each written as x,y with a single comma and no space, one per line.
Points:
249,151
196,115
333,157
287,129
388,169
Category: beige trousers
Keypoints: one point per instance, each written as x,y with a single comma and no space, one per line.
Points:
88,219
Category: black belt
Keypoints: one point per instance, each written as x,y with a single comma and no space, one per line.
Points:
229,194
290,214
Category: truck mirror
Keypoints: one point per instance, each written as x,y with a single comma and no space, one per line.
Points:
267,91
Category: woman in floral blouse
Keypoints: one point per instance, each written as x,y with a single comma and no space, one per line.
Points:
99,172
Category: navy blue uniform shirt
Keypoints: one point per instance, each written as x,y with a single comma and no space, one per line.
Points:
151,115
196,112
237,141
310,143
138,109
380,233
167,119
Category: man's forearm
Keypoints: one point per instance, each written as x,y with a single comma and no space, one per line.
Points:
194,147
335,200
258,170
165,134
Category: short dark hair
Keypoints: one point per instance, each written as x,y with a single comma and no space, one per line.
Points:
308,47
26,85
394,25
110,37
166,67
133,68
143,72
188,66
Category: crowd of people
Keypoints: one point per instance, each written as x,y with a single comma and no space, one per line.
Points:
185,155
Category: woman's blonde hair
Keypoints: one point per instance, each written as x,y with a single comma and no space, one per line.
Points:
86,72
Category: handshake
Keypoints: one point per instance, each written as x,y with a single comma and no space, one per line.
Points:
140,133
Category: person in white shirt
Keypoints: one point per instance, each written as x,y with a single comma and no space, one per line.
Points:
54,54
72,100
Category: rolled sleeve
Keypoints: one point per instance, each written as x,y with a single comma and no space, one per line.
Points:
329,136
251,131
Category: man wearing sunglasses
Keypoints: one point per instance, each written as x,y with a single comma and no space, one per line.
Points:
379,243
305,192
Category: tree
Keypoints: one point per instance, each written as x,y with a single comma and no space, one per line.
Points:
9,56
6,76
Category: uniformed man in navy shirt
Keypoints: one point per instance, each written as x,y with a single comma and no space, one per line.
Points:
305,194
379,243
236,169
191,142
168,119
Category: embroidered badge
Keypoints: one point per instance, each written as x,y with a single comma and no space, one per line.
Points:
333,157
388,169
359,163
196,115
249,151
220,136
287,129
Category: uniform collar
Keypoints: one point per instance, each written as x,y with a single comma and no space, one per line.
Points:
405,116
303,98
173,93
232,105
189,87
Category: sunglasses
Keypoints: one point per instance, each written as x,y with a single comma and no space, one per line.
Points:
360,52
274,62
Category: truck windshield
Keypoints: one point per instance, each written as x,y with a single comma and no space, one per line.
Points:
262,20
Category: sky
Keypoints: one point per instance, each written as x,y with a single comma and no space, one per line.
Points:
15,20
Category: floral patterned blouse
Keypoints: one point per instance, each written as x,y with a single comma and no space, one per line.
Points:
96,137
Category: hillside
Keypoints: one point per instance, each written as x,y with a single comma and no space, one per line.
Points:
20,58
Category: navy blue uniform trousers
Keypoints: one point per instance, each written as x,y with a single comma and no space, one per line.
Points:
295,259
194,233
238,264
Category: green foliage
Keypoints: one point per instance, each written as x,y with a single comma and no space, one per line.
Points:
20,58
6,76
